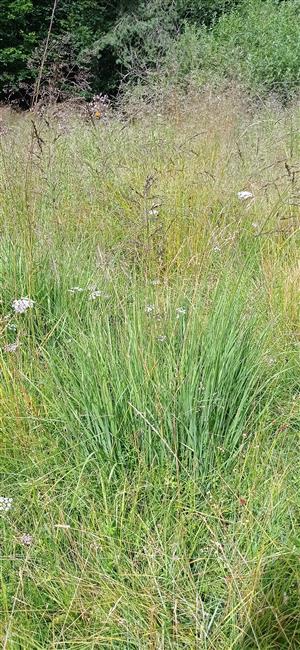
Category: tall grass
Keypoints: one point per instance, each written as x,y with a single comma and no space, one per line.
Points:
149,413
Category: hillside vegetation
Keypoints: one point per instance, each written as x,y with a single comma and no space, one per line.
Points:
149,388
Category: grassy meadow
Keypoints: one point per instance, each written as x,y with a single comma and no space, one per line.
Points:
149,395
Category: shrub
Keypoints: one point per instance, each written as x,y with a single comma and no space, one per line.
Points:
259,44
256,44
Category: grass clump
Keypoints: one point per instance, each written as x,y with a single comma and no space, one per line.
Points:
149,397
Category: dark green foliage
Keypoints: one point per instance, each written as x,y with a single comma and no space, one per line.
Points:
82,32
205,11
94,46
21,27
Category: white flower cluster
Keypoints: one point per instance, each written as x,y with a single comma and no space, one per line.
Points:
5,503
11,347
180,311
97,294
94,293
22,304
26,539
149,309
75,290
244,195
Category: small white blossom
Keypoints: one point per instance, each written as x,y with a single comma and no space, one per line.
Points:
153,212
149,309
21,305
12,327
244,195
271,361
161,338
155,283
217,249
180,311
95,294
75,290
254,225
26,539
5,503
11,347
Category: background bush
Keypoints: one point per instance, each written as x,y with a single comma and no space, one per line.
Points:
95,47
260,44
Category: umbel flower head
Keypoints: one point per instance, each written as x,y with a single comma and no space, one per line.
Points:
5,503
26,539
75,290
11,347
149,309
244,195
22,304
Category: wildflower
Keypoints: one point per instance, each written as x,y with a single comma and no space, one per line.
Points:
180,311
217,249
161,338
5,503
96,294
244,195
270,360
75,290
26,539
153,212
255,225
149,309
11,347
155,283
21,305
12,327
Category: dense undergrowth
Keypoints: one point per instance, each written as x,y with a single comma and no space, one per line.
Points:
149,397
53,51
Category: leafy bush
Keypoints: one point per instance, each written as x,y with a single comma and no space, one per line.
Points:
260,44
256,42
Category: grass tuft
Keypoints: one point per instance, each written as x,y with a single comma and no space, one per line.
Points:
149,398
